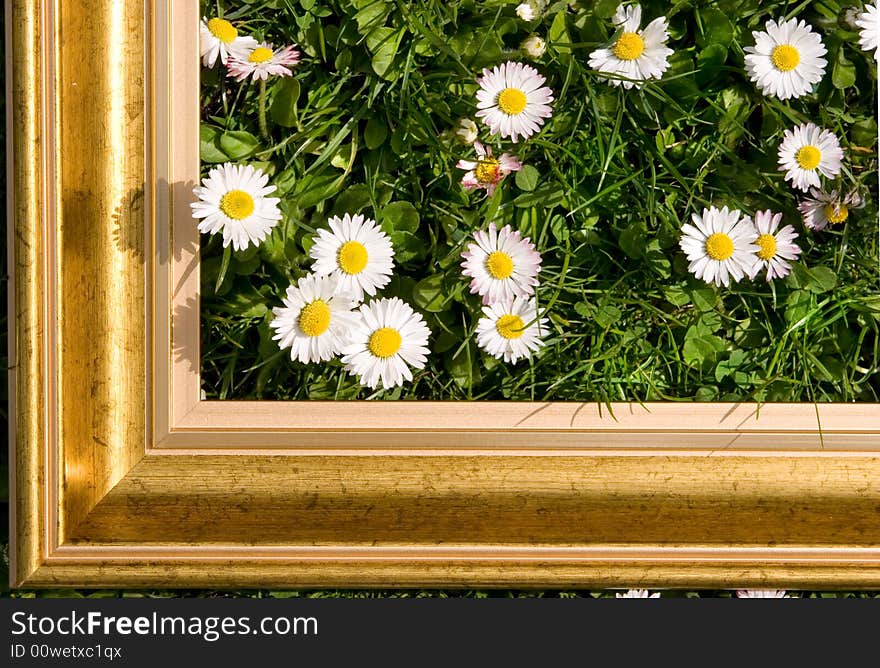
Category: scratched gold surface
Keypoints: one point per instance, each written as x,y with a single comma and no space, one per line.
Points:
100,141
24,141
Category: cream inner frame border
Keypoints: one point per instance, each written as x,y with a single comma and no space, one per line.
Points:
183,420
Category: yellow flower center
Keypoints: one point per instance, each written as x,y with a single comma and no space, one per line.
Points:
512,101
314,319
352,257
487,171
767,242
836,214
785,57
237,204
499,265
719,246
510,326
808,157
385,342
260,55
629,46
223,30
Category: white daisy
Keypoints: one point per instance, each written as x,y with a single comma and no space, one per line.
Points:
761,593
487,171
262,61
720,245
776,246
356,251
869,22
513,101
511,330
638,593
466,131
388,338
808,151
786,60
232,199
220,39
832,207
316,319
534,46
636,55
502,264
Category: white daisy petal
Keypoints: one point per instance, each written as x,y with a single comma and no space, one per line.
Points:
823,208
869,22
387,339
786,61
638,593
775,246
512,100
636,55
723,246
316,320
808,151
501,264
761,593
510,329
220,39
356,251
263,60
230,204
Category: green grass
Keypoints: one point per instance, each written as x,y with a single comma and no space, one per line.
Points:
364,127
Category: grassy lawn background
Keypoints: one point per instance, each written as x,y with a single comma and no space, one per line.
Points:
365,126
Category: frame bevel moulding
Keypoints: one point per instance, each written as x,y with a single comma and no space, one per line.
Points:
122,476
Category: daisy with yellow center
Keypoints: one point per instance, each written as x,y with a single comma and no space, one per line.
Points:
218,38
638,593
824,208
501,264
387,339
357,252
762,593
776,247
808,151
232,200
720,245
634,55
263,60
487,171
511,330
316,319
786,60
513,101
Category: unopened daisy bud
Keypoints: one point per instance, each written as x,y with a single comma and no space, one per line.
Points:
531,10
534,46
466,131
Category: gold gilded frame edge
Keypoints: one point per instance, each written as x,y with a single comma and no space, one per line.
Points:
112,488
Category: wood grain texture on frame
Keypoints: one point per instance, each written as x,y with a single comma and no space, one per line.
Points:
123,477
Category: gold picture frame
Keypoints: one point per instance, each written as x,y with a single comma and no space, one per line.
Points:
123,477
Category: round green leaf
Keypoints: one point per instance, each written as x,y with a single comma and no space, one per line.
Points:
527,178
283,109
